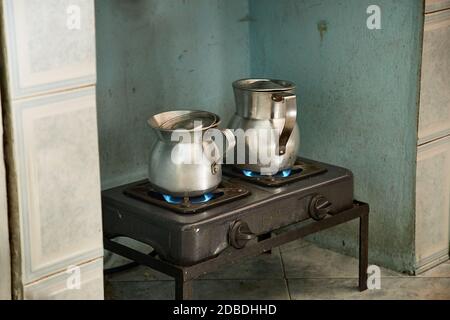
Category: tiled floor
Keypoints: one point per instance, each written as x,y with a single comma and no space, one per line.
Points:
298,270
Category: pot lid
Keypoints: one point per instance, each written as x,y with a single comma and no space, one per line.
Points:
264,85
188,120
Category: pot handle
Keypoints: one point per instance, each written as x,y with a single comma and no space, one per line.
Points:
290,101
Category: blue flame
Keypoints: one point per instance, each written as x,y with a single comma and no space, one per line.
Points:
286,173
202,199
251,174
195,200
171,199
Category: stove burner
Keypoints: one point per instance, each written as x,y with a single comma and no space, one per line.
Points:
194,200
281,174
302,169
226,192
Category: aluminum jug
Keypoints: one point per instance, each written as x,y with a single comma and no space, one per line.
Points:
180,166
266,105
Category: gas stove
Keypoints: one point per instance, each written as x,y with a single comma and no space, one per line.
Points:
243,209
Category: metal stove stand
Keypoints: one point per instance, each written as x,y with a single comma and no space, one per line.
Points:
184,276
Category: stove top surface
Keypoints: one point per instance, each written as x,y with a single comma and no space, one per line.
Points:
257,196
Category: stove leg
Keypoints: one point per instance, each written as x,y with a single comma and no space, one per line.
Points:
363,251
265,237
183,290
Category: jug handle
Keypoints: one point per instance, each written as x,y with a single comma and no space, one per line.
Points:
231,142
290,101
231,139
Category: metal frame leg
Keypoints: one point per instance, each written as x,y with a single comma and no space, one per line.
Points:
183,290
184,276
363,250
265,237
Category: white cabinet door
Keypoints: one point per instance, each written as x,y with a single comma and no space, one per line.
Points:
83,282
5,261
57,160
436,5
50,45
434,112
433,203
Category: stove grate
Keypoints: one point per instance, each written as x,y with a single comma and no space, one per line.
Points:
226,192
302,169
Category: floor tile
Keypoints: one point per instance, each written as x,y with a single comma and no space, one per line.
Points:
145,290
404,288
140,273
313,273
266,266
313,262
442,270
203,290
274,289
294,245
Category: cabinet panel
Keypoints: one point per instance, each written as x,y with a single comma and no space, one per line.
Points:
435,5
434,115
433,202
50,45
62,285
59,186
5,263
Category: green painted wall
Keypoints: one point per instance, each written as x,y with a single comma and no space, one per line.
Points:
357,89
158,55
358,92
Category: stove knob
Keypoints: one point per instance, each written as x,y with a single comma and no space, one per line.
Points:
240,234
319,207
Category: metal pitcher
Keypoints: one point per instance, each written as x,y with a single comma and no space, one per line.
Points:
267,104
172,170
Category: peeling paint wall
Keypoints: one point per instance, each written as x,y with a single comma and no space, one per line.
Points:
358,93
155,56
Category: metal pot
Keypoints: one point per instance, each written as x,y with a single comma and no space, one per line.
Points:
267,106
181,162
